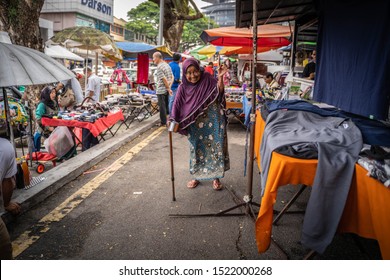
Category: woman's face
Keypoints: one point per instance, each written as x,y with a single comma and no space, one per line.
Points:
192,74
53,94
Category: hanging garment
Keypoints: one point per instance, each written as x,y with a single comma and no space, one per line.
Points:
143,68
119,76
338,142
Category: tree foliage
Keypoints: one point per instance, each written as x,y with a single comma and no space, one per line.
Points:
144,20
20,18
192,31
176,12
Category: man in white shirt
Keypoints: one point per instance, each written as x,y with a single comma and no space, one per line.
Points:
92,91
8,171
163,85
93,86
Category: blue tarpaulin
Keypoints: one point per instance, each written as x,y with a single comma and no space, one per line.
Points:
353,56
131,49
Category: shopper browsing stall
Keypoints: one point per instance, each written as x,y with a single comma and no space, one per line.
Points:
93,86
210,68
93,94
163,85
199,108
176,78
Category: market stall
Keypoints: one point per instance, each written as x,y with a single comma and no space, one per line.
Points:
97,126
351,75
366,207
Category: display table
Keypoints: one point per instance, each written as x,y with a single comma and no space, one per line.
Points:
366,212
96,128
234,109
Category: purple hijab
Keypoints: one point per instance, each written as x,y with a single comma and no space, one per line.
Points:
192,99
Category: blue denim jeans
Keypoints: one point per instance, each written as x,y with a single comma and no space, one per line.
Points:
37,142
171,99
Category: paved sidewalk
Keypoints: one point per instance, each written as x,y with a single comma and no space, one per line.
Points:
67,171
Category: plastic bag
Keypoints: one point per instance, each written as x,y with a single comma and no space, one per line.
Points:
59,142
68,99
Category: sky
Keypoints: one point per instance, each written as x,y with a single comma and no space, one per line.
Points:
121,7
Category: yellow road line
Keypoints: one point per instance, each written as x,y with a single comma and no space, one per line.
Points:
28,237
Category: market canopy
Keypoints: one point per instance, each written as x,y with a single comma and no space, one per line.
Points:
25,66
270,35
131,49
211,50
273,11
195,54
349,59
62,53
89,39
272,55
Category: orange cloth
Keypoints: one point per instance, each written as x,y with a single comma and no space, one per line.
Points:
233,105
367,210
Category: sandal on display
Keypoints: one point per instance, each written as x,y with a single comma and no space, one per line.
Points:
192,184
217,185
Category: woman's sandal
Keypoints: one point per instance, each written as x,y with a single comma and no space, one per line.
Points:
217,185
192,184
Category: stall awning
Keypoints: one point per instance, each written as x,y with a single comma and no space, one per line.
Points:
62,53
271,35
131,49
273,11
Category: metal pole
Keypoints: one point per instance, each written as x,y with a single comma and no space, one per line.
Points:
8,120
30,136
249,195
172,168
161,23
294,48
86,76
209,22
96,62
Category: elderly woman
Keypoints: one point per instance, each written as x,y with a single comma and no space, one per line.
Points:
47,106
199,108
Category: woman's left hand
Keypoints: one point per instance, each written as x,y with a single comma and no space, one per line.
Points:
222,70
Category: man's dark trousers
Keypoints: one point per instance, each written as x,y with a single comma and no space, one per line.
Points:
163,107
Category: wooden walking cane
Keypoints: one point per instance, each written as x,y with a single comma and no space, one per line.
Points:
172,169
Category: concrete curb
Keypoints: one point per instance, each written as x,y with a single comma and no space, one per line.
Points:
74,167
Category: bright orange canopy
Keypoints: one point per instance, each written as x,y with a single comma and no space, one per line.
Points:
270,35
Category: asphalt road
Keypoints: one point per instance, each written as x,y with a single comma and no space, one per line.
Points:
120,210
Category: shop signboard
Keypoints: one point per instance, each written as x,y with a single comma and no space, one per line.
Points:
98,6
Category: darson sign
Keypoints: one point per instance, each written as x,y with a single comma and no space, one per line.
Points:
97,5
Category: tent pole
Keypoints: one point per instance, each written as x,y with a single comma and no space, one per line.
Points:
96,62
249,194
30,137
86,76
293,49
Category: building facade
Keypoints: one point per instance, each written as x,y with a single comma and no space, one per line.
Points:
119,32
222,12
68,13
